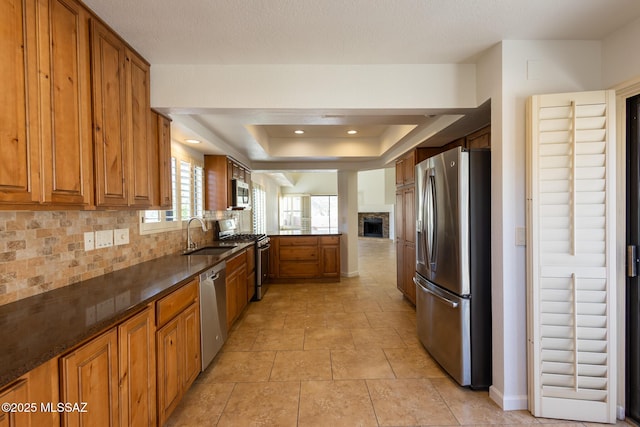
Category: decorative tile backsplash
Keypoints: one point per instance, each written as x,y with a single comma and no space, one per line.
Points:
41,251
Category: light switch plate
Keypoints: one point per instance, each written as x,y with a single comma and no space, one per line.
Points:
521,236
104,238
121,236
89,241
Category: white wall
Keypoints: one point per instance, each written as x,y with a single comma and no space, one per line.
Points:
376,193
526,68
619,55
316,183
313,86
272,190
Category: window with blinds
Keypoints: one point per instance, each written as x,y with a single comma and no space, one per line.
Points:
259,209
570,255
187,182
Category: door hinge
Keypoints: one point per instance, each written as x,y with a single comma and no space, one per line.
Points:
632,260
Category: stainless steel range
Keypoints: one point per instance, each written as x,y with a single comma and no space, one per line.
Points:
227,230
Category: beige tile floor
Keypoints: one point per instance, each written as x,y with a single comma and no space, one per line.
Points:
339,354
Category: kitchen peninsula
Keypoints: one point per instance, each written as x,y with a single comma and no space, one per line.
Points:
296,255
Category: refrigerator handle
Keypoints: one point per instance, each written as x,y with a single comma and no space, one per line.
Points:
420,223
440,298
433,219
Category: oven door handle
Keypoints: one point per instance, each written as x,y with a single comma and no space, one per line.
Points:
265,247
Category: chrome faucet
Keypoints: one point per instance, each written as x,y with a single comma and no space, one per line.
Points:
191,244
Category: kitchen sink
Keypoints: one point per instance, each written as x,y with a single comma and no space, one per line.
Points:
210,250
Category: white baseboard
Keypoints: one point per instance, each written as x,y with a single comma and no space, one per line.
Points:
350,273
508,403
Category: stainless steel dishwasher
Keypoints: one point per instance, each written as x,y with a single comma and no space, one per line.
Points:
213,312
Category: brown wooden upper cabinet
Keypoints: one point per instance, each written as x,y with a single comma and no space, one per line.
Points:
405,169
45,116
161,140
121,122
219,171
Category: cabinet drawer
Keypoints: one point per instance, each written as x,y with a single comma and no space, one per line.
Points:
298,241
299,269
236,262
168,307
329,240
298,253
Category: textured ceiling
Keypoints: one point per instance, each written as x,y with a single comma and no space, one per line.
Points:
350,31
338,32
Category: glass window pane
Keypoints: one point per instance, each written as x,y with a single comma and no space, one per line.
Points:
198,192
185,190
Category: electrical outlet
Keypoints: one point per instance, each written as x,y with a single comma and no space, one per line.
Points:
104,238
121,236
89,241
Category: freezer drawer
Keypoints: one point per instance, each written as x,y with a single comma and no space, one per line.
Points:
443,325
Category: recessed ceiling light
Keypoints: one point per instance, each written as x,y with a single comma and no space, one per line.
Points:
352,132
298,131
192,141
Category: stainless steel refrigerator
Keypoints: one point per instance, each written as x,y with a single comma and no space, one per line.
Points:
453,263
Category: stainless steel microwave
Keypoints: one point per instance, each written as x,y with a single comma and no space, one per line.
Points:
240,193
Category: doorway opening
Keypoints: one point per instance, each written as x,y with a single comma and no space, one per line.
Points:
632,316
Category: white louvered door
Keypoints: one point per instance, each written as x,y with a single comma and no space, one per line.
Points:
571,256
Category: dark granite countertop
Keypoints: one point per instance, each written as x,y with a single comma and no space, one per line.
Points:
36,329
332,232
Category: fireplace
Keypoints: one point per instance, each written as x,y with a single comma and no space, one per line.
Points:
373,224
372,227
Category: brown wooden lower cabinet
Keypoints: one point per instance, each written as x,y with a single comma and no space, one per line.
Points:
115,375
16,394
130,375
137,354
178,352
89,375
40,386
237,287
305,257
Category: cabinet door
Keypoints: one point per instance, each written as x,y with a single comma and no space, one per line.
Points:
190,319
141,155
399,216
409,259
400,266
90,374
409,165
164,161
109,116
330,261
409,215
399,172
137,352
65,104
216,184
170,364
18,393
19,163
242,294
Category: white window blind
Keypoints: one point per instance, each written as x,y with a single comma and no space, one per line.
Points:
185,189
571,256
187,185
198,191
259,209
